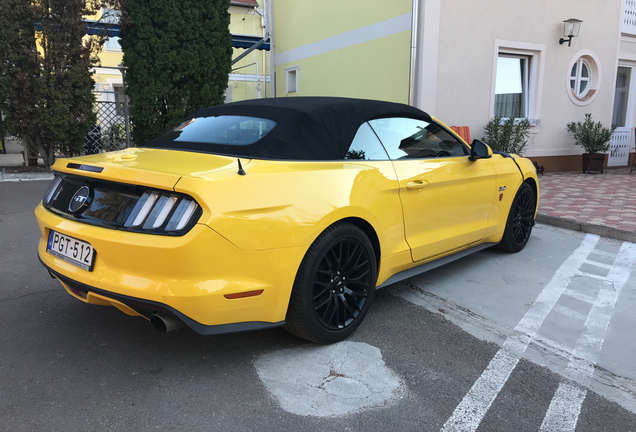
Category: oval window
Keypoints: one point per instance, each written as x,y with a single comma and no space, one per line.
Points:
583,77
580,77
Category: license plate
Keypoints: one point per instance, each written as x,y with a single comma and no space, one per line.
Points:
72,250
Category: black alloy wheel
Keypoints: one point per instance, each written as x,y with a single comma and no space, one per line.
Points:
334,286
520,220
342,284
523,217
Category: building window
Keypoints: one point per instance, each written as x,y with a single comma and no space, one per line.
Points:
291,80
517,80
580,78
112,44
583,77
511,88
111,16
621,96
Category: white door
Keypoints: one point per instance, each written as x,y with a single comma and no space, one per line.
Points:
622,113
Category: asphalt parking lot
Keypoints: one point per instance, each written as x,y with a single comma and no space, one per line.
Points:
540,340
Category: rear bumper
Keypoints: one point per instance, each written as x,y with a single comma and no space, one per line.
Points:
185,276
145,308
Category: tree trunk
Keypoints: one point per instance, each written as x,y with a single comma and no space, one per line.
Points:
46,151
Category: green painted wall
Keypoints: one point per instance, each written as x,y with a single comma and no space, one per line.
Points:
299,23
375,69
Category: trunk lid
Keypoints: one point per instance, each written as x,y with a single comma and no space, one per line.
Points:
148,167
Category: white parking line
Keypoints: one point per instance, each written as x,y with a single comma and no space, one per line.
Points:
546,300
566,404
471,410
563,412
580,296
569,312
591,275
598,264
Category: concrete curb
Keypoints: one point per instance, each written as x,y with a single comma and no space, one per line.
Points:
20,177
601,230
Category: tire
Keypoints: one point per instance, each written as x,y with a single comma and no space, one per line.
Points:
520,221
334,286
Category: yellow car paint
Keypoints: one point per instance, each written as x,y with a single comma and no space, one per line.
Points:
452,207
255,229
190,273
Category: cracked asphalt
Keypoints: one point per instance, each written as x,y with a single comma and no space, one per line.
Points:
69,366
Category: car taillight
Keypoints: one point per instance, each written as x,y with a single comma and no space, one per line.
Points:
123,206
53,187
163,212
182,215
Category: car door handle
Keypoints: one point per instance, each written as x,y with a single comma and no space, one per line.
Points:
416,184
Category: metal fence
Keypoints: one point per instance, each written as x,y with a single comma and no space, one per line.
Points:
112,128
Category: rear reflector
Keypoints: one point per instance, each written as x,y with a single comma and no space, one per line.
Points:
76,292
243,294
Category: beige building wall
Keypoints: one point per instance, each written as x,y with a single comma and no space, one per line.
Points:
467,60
627,47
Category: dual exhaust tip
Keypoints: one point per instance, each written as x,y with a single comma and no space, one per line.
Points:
164,323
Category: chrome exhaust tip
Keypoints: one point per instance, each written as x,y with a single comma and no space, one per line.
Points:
164,323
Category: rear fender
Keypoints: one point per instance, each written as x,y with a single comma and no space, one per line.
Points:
288,204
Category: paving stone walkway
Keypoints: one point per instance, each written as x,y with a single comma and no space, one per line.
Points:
607,199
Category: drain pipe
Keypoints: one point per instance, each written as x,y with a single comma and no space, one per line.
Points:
414,25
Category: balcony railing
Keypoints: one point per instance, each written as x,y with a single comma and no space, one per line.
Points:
629,17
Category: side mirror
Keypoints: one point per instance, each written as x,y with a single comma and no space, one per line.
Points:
479,150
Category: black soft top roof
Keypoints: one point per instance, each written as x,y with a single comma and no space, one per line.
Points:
307,128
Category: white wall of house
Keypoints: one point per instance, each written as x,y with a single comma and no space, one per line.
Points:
468,37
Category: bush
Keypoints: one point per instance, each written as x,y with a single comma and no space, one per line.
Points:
510,135
178,56
593,137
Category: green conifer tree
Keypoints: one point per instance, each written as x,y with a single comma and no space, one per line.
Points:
45,76
178,57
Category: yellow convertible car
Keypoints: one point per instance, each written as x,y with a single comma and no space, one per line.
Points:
278,212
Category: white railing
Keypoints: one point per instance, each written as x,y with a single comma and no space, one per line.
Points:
629,17
620,145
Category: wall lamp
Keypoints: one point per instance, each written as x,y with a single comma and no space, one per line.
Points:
571,29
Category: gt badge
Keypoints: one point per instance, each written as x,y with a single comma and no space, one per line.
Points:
79,199
502,188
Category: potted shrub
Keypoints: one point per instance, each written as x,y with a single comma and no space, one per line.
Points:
595,140
509,135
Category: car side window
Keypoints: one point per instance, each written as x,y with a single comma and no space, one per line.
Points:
366,145
406,138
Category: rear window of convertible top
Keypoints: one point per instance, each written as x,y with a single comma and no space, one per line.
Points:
225,129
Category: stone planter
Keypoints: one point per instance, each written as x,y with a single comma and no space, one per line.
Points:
593,162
